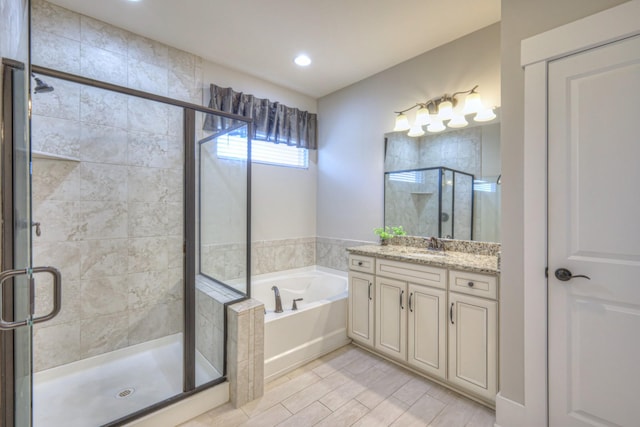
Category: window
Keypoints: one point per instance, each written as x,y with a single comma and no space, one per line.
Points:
235,148
487,187
412,176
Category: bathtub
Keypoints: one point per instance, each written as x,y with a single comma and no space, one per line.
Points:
319,326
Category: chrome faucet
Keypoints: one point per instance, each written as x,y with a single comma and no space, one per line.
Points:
278,300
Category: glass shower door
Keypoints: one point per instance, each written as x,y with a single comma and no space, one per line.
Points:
16,323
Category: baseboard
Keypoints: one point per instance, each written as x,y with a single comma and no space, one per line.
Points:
509,413
303,354
186,409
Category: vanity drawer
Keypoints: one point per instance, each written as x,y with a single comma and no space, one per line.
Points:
362,263
473,284
414,273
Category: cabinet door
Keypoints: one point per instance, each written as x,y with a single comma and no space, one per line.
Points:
391,317
361,303
426,343
473,344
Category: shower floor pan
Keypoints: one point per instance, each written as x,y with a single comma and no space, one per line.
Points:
95,391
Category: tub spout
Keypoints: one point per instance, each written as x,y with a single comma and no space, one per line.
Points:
278,300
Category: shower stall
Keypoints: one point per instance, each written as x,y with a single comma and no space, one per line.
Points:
436,201
148,225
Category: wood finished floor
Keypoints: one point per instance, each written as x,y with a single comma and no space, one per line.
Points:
351,387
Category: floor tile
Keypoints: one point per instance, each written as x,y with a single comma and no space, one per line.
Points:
352,387
413,390
348,414
384,414
385,386
421,413
269,418
455,414
308,416
280,393
314,392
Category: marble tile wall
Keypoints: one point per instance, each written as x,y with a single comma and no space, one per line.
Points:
111,219
332,253
226,261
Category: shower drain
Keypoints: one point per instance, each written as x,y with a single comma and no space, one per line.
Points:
122,394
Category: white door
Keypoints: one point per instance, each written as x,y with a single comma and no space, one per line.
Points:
473,336
361,294
594,230
391,317
426,344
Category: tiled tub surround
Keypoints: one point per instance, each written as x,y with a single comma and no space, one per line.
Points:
112,220
331,252
267,256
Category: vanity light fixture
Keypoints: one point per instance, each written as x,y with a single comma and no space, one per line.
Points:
436,111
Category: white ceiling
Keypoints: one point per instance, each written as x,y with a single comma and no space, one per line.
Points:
347,40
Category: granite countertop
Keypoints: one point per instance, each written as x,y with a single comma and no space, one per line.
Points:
487,264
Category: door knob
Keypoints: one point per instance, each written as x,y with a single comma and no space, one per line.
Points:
565,275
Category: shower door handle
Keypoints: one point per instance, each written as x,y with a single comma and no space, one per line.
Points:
57,295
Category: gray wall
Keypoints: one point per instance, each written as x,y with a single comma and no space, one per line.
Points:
355,119
521,19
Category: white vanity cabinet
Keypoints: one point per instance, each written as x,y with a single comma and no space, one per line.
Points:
426,347
473,332
361,300
441,322
391,318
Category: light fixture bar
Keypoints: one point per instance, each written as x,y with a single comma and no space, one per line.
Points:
434,112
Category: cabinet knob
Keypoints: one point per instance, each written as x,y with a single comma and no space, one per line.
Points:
360,263
470,284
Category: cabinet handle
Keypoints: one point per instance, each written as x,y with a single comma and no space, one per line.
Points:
410,297
470,284
401,297
451,314
370,290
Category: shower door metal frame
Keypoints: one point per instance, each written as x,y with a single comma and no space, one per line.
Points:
190,249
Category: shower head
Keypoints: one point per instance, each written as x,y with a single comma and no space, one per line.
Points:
41,86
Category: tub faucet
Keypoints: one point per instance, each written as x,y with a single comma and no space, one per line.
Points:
278,300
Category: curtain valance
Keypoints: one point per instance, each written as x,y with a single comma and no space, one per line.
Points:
272,121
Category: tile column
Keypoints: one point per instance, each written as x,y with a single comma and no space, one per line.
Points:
245,351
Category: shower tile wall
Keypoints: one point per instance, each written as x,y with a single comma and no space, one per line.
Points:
112,219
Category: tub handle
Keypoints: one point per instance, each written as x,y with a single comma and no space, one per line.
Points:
401,297
410,297
370,283
295,306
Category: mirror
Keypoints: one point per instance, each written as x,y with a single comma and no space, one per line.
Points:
445,184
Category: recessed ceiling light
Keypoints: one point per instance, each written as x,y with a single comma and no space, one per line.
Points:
302,60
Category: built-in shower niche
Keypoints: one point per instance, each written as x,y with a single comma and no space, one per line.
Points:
430,202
